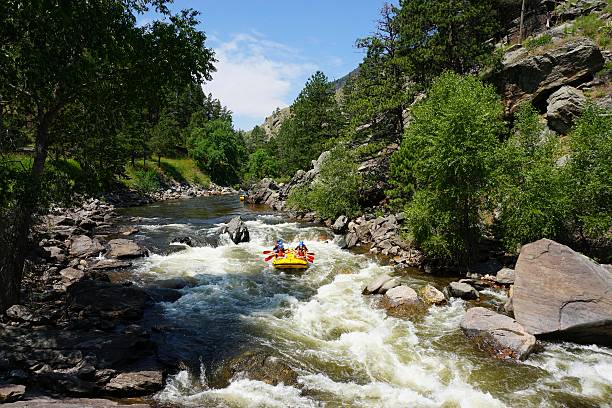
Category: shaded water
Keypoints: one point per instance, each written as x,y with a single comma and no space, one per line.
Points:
347,352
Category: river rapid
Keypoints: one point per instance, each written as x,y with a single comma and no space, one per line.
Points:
347,351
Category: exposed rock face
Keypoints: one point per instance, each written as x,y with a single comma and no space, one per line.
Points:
564,107
124,249
463,290
11,393
136,383
183,240
534,78
499,335
561,293
237,230
505,276
71,275
273,122
432,295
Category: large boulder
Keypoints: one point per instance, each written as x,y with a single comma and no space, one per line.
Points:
11,393
564,107
124,249
528,77
82,245
505,276
499,335
341,224
136,383
376,286
401,295
237,230
563,294
108,300
255,365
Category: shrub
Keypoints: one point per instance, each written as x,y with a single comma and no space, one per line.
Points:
146,181
530,194
588,174
447,157
335,191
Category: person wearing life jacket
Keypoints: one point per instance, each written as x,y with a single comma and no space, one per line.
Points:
301,250
279,249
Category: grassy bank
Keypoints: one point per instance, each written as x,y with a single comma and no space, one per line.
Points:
151,176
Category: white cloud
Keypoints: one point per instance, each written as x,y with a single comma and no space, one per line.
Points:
256,75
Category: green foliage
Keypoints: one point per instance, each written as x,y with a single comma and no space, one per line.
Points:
530,191
315,119
445,35
594,27
218,149
335,191
446,158
260,165
588,174
146,181
376,96
539,41
256,139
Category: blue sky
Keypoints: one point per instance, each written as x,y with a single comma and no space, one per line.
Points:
267,49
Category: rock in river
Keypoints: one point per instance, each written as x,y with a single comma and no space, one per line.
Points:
561,293
376,286
463,290
124,249
136,383
237,230
499,335
432,295
11,392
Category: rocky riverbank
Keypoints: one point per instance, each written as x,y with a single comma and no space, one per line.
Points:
76,333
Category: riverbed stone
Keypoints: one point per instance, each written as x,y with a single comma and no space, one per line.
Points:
463,290
136,383
82,245
401,295
11,392
122,248
71,275
390,284
237,230
108,300
432,295
45,402
499,335
563,294
255,365
341,224
376,284
505,276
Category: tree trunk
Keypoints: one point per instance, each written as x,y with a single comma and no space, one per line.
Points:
11,266
159,160
133,157
521,22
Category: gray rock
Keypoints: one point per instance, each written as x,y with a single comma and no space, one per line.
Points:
71,275
11,393
401,295
136,383
505,276
82,245
108,300
390,284
55,254
533,78
563,294
44,402
463,290
351,240
105,264
341,224
237,230
19,313
499,335
124,249
255,365
432,295
564,107
376,284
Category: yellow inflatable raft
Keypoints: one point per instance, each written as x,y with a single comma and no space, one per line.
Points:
290,261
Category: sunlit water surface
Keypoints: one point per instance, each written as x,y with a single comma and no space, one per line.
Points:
346,350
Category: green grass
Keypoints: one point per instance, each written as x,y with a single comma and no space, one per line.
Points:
593,27
180,170
533,43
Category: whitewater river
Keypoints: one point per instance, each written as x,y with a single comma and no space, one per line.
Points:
346,351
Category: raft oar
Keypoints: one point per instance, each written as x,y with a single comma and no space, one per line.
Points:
269,257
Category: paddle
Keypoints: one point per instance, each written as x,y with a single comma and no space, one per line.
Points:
269,257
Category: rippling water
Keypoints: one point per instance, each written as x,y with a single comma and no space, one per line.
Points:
347,352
